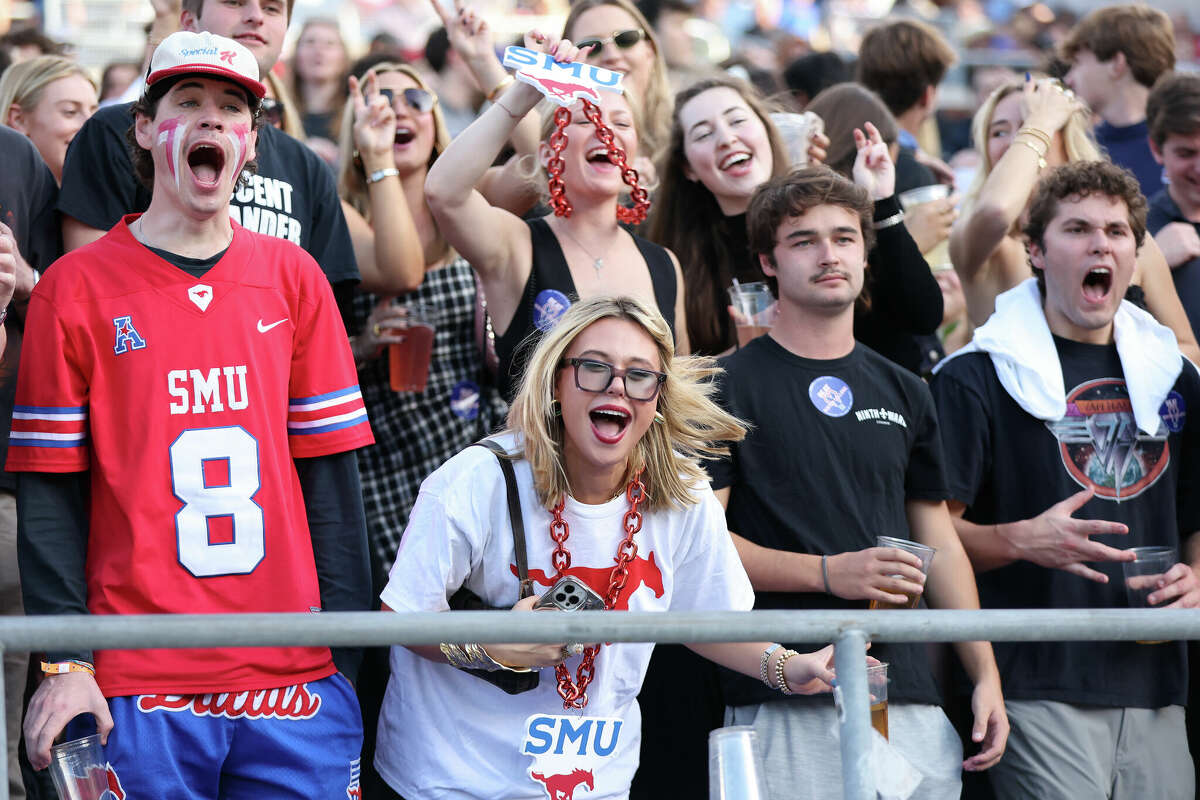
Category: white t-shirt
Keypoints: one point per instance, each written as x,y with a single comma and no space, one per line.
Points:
446,734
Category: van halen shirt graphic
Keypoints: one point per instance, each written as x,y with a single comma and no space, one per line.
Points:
1101,446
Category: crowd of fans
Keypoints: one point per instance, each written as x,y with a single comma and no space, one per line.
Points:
1004,299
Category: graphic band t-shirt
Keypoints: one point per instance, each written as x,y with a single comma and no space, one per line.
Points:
186,402
447,735
837,448
293,196
1005,465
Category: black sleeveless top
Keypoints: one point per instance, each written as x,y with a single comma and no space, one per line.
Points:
550,291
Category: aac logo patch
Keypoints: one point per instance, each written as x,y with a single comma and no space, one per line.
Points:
831,396
548,308
127,336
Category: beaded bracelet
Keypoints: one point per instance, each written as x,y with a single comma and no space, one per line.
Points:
766,657
779,679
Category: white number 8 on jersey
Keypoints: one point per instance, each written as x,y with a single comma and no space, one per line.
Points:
202,501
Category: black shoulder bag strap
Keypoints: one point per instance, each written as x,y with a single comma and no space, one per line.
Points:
516,519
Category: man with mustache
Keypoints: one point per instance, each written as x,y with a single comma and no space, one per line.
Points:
184,431
843,447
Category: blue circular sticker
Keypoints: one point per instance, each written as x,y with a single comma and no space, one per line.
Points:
1173,412
464,400
831,396
548,308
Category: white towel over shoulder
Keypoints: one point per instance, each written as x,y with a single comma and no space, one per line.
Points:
1017,337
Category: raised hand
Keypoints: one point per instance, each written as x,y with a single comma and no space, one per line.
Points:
374,123
873,168
561,49
1047,105
929,224
1056,539
468,32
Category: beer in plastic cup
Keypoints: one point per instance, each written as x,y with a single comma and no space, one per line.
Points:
917,549
754,309
938,257
1143,573
877,686
409,359
79,770
734,765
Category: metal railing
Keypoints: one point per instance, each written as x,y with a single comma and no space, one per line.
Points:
849,630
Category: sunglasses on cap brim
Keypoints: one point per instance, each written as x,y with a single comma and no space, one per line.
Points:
622,39
419,100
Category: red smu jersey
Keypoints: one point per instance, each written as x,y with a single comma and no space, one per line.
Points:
186,399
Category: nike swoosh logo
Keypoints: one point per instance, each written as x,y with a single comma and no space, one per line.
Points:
264,328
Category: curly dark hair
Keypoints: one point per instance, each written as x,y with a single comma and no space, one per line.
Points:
793,194
1074,182
147,106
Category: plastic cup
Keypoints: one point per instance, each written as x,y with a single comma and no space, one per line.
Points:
917,549
409,359
877,682
1143,573
754,309
797,131
734,765
79,770
938,257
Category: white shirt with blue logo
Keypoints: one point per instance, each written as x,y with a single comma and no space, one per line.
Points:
447,734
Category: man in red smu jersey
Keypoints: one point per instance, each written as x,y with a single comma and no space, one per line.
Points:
185,428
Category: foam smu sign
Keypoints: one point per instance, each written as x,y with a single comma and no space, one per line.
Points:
563,82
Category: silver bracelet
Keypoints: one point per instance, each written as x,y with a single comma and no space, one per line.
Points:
473,656
894,219
766,656
825,573
380,174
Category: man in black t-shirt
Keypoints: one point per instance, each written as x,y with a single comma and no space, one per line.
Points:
1067,387
843,447
293,196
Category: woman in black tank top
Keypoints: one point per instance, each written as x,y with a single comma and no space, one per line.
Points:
533,271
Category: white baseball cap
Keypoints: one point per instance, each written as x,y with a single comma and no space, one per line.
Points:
188,53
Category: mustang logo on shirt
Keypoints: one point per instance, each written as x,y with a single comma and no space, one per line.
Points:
641,571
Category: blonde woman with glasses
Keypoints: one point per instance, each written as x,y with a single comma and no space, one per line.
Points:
605,437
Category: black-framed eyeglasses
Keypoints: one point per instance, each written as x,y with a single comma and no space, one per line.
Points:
596,376
272,111
622,39
419,100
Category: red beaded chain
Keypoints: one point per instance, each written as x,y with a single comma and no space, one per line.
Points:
558,141
574,693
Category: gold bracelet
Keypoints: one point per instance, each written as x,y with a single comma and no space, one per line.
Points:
779,679
1041,157
504,83
1036,132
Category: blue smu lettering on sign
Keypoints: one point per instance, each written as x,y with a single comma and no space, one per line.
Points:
1173,412
464,400
548,308
831,396
547,734
127,336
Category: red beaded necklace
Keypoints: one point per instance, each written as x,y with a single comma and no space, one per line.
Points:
574,693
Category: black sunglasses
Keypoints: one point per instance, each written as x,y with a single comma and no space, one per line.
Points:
272,111
622,39
419,100
596,376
